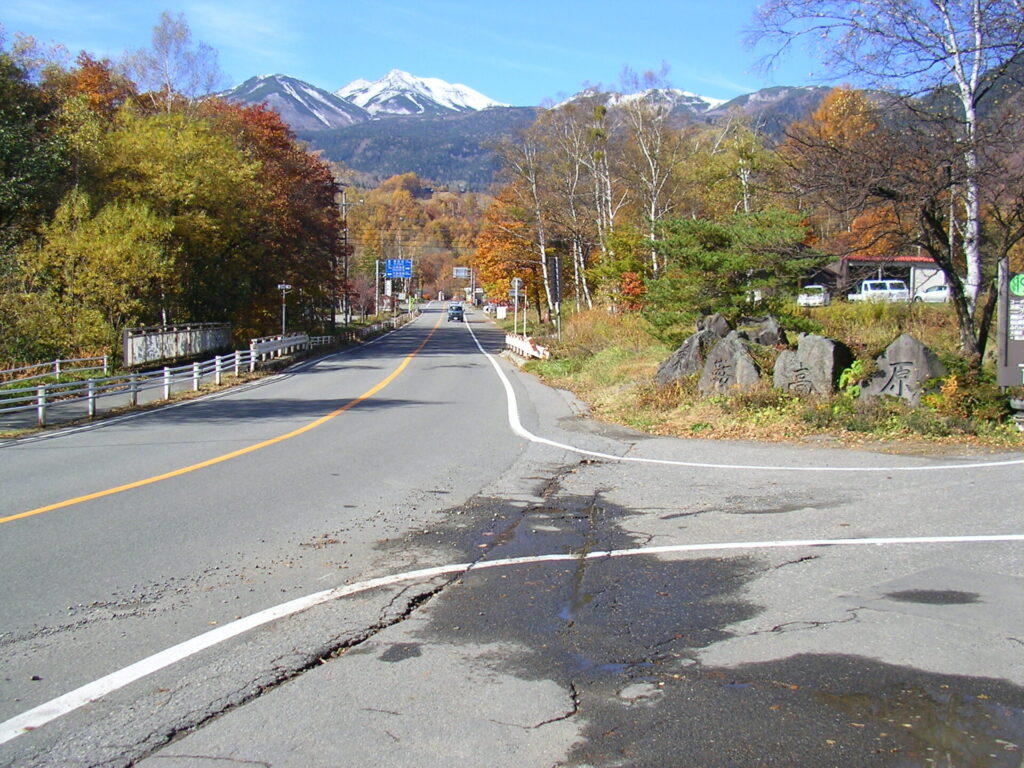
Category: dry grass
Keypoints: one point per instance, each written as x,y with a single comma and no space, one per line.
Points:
610,362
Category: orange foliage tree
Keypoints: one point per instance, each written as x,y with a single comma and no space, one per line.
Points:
504,251
299,226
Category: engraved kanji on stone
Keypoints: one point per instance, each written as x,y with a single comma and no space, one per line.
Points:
898,382
722,373
801,383
905,370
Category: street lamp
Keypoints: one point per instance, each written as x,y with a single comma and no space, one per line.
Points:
283,288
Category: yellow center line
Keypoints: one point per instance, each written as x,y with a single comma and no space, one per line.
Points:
233,454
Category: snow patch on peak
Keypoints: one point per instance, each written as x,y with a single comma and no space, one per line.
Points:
393,94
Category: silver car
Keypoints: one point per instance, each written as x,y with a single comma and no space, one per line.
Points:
933,294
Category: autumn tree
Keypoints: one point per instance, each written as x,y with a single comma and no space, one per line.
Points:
197,178
295,229
505,249
111,261
946,62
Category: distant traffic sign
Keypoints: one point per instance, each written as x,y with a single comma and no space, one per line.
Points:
398,268
462,272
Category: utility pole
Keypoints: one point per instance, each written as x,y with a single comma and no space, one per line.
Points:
346,252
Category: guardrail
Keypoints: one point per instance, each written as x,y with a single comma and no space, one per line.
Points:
40,398
55,368
524,346
130,384
266,347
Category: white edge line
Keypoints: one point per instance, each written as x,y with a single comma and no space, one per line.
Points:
517,427
44,713
51,710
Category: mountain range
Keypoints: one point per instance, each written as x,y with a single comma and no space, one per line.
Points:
443,132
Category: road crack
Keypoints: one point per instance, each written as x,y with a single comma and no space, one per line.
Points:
800,626
573,710
274,673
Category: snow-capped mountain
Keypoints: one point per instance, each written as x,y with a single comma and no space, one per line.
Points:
682,103
399,93
303,106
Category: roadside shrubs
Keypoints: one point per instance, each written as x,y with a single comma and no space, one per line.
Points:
610,362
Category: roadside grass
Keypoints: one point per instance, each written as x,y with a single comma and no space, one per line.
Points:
609,361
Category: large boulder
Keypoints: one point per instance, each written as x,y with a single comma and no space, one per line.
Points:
688,359
715,323
813,368
729,367
768,333
903,370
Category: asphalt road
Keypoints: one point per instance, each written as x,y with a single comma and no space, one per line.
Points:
375,560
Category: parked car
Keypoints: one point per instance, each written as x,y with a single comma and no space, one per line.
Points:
880,290
455,312
933,294
813,296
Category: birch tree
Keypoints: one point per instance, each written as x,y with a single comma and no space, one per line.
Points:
567,135
523,160
653,154
914,47
946,59
173,67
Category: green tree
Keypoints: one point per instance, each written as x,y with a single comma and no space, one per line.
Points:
32,158
187,172
713,266
111,261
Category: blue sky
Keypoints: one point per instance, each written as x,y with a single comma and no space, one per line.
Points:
519,52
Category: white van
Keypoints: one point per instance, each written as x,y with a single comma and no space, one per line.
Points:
880,290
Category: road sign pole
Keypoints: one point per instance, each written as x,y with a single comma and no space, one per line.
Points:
283,288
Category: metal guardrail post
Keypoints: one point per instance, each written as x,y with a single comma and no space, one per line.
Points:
92,398
41,405
133,389
252,357
216,370
106,365
167,383
195,377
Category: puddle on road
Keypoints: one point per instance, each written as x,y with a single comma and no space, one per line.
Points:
591,618
935,596
611,627
945,726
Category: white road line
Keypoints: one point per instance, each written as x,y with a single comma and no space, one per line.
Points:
517,427
51,710
62,705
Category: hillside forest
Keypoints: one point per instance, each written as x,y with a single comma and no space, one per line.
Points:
128,198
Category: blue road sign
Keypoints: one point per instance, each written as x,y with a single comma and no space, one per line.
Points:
398,268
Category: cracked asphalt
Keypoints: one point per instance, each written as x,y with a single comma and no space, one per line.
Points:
885,655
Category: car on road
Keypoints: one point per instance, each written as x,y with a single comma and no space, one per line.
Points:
880,290
933,294
813,296
456,312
